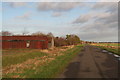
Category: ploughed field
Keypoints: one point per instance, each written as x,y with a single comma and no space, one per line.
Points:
36,63
112,47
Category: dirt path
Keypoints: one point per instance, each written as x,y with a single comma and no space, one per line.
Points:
92,63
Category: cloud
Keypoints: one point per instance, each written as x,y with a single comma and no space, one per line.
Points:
108,6
105,12
17,4
57,14
101,24
98,31
94,36
109,18
25,16
58,6
108,0
83,18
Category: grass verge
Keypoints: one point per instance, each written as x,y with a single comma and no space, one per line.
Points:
115,51
50,69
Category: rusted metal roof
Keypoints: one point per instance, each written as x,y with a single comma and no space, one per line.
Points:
24,38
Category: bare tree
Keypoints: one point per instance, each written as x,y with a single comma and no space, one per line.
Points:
50,34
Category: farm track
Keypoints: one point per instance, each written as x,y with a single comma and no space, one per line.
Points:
92,63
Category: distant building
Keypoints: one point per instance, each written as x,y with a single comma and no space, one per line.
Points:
33,42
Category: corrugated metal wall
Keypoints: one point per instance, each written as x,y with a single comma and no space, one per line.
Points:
37,42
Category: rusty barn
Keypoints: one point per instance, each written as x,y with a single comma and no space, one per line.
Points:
33,42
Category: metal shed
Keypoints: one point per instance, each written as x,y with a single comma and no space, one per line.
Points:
35,42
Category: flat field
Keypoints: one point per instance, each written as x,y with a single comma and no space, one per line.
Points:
108,44
35,63
112,47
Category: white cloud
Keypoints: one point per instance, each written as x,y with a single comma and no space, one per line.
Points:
105,12
25,16
58,6
98,31
17,4
108,6
101,23
108,1
83,18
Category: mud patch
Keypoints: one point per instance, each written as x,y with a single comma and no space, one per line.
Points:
97,56
72,70
87,70
81,54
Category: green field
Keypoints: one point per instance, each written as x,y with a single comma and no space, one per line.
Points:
36,64
112,47
18,57
108,44
115,51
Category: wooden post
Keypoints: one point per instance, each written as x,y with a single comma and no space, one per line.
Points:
52,43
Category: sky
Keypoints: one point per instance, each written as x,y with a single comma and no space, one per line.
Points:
91,21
